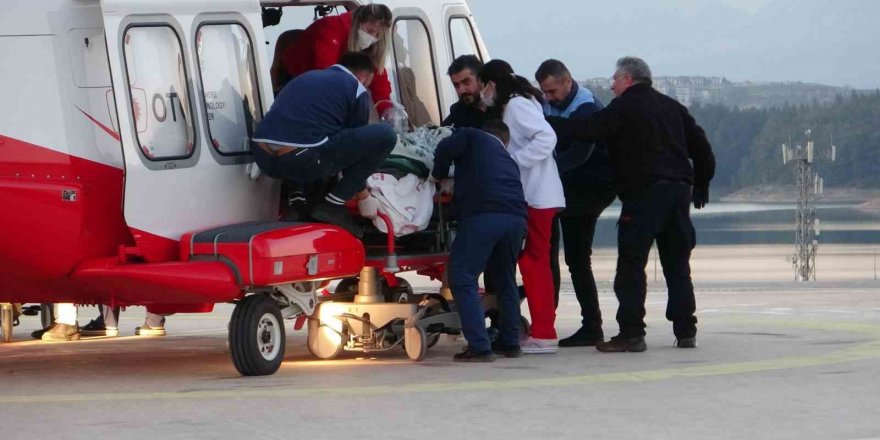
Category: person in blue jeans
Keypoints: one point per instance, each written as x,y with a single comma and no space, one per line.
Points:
489,204
317,128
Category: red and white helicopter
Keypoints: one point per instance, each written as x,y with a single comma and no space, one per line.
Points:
126,177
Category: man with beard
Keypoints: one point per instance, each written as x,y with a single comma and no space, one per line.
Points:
468,111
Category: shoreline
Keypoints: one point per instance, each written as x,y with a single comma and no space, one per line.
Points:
866,198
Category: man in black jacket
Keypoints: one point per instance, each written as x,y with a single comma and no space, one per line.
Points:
652,140
469,111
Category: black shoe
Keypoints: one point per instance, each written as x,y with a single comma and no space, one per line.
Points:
584,337
509,351
39,333
297,211
686,342
96,327
621,343
338,215
469,355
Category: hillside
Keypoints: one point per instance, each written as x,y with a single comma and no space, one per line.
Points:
690,90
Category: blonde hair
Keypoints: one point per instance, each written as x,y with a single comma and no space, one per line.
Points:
364,14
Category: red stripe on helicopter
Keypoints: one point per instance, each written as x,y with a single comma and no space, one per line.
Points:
106,129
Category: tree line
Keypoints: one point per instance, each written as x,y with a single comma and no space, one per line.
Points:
747,142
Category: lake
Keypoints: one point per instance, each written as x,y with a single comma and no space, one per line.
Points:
762,223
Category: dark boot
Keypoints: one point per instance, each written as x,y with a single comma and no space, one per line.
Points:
584,337
622,343
686,343
338,215
469,355
297,210
38,334
510,351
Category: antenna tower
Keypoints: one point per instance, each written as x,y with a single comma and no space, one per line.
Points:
810,187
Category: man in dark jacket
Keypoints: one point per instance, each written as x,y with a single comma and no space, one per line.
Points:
469,111
317,127
652,140
586,180
491,211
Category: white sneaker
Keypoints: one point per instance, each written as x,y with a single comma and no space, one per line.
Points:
539,346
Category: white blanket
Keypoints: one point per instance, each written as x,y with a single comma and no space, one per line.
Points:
409,202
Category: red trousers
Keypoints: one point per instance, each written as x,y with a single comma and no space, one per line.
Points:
534,264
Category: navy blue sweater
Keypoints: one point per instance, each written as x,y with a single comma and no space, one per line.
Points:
486,177
314,106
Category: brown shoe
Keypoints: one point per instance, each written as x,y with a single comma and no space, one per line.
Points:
61,333
621,343
146,330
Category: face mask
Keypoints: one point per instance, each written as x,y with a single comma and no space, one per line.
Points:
487,100
365,40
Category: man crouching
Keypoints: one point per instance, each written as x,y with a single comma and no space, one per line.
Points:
317,127
491,210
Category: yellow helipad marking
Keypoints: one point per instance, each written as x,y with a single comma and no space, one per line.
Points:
867,351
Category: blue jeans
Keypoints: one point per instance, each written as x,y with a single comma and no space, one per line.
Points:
482,240
356,152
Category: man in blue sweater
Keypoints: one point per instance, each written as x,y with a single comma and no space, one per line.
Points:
491,212
317,127
587,183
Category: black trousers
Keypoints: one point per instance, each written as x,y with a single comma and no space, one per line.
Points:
662,213
554,258
578,229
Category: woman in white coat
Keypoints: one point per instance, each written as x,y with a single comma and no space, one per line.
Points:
532,142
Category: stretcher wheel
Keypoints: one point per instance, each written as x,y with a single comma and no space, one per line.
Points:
525,328
403,291
256,336
415,343
433,339
326,338
47,315
7,322
346,290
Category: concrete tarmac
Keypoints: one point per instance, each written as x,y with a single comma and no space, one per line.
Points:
776,360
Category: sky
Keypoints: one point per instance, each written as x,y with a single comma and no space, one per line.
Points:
816,41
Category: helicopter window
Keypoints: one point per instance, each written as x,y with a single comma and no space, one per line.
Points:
461,35
416,80
229,81
160,102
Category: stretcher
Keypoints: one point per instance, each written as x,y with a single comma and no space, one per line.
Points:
378,310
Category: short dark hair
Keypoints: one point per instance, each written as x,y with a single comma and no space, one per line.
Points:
356,62
465,62
498,128
553,68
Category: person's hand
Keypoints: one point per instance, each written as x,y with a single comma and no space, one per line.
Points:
447,186
700,197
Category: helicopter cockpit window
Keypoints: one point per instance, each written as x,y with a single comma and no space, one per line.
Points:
159,96
461,35
416,81
229,81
